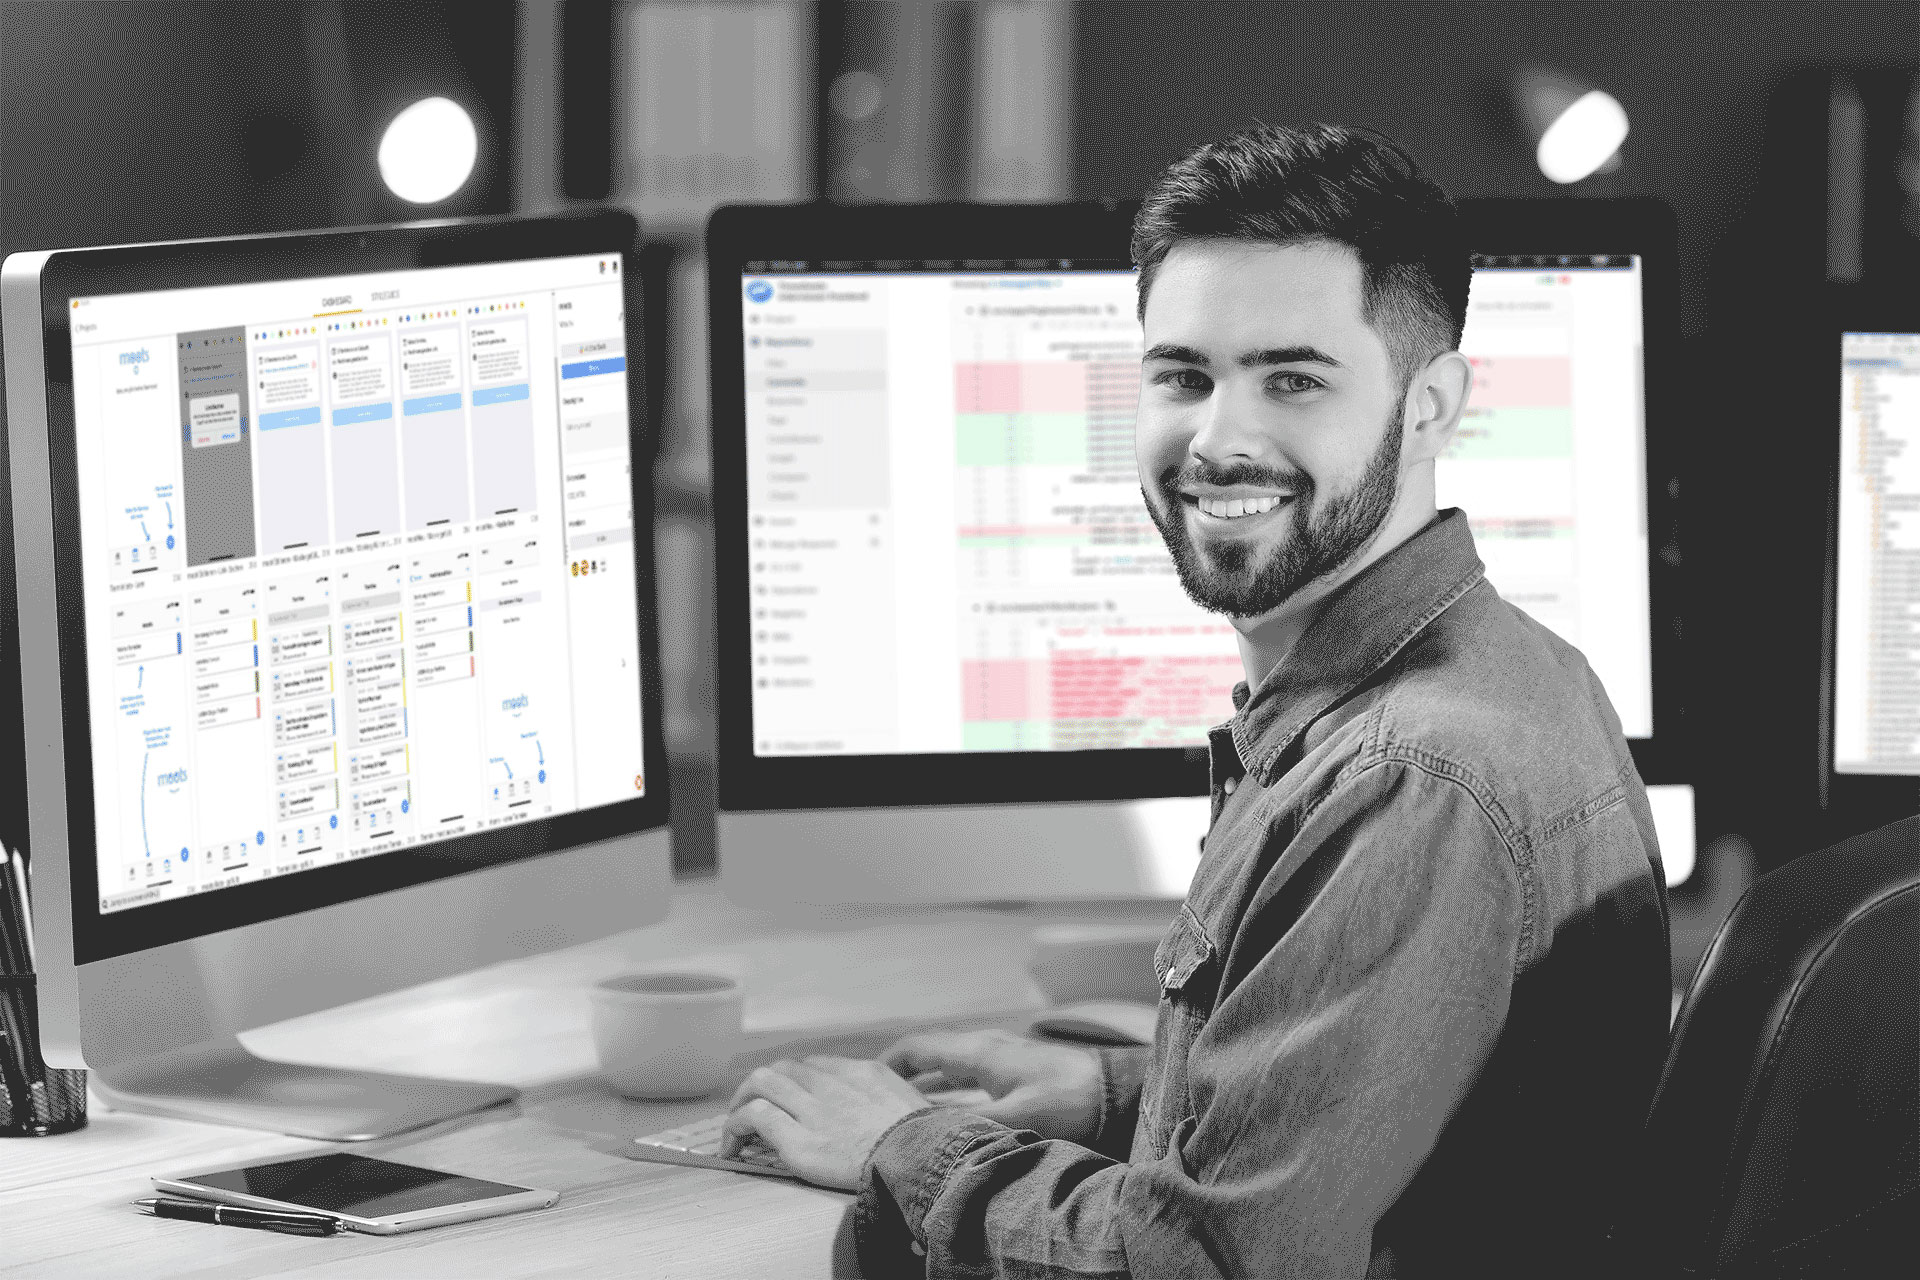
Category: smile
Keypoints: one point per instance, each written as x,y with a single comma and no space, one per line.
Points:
1237,508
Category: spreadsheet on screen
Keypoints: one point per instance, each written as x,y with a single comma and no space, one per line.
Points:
948,547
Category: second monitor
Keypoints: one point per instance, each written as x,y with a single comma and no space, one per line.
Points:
955,662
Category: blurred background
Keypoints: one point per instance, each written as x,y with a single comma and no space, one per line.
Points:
1786,138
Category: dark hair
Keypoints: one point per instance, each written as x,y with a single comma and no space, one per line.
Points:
1278,185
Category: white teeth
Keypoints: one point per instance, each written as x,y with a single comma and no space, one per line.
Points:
1231,509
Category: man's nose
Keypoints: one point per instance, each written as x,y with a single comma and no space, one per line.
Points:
1229,429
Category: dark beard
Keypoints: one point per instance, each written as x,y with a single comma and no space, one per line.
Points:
1226,581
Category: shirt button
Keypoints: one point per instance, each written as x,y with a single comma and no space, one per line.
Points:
1229,785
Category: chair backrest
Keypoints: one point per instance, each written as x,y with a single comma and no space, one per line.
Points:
1784,1138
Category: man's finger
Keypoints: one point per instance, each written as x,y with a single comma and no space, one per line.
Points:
953,1055
776,1086
757,1118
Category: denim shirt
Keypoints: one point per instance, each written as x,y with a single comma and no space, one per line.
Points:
1412,1010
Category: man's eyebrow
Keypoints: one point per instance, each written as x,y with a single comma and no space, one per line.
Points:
1178,354
1287,355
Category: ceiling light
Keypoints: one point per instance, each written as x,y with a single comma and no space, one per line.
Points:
1576,129
428,151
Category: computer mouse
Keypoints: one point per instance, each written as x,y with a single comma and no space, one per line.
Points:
1103,1022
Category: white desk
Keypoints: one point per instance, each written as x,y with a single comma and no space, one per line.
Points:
65,1202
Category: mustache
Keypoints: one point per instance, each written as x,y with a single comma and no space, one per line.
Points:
1198,471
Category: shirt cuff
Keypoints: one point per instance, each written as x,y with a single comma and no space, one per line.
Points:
904,1176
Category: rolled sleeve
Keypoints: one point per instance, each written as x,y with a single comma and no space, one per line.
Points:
910,1164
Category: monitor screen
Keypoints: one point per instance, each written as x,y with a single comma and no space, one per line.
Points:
948,550
357,557
1876,669
1550,459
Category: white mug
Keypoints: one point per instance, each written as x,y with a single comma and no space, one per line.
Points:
669,1034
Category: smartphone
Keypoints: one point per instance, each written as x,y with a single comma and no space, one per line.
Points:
376,1196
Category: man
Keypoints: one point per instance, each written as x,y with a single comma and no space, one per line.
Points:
1415,1004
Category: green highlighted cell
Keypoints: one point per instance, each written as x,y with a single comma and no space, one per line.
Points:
1002,735
1486,434
1021,439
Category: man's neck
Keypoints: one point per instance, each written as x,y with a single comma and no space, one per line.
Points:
1267,639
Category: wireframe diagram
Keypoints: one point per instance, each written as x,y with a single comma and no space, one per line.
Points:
366,483
291,446
373,677
229,737
216,462
303,690
433,427
444,691
145,526
512,641
503,453
152,747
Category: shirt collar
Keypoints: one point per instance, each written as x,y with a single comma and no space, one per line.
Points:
1360,628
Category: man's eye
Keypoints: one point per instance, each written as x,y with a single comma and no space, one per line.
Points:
1191,380
1294,382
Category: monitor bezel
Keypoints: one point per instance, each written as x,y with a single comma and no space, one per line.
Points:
1860,800
97,272
1095,230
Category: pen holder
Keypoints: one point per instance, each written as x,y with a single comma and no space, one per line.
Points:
35,1100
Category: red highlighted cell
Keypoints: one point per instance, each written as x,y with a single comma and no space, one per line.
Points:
1521,382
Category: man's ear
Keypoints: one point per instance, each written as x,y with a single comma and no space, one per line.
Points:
1436,398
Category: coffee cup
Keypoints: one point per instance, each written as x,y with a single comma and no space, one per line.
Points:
668,1034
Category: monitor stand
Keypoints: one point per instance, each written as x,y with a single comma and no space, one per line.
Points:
222,1082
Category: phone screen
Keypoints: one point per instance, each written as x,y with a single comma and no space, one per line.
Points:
356,1186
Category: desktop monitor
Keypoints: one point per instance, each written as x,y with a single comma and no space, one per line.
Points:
954,660
336,622
1870,765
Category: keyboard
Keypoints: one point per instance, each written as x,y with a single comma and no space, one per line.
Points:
698,1144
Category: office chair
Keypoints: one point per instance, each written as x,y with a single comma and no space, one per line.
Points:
1784,1139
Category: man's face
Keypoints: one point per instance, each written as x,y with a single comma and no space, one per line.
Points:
1269,429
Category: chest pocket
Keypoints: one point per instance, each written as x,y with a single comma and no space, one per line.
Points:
1185,961
1189,973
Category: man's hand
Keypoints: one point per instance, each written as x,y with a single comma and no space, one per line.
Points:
1052,1089
823,1115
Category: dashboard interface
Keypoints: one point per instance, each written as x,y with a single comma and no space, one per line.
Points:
948,550
358,566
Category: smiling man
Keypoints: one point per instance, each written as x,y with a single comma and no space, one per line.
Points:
1415,1004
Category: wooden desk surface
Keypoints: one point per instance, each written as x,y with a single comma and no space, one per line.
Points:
846,980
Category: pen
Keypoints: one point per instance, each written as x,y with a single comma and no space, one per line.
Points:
232,1215
19,862
13,938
